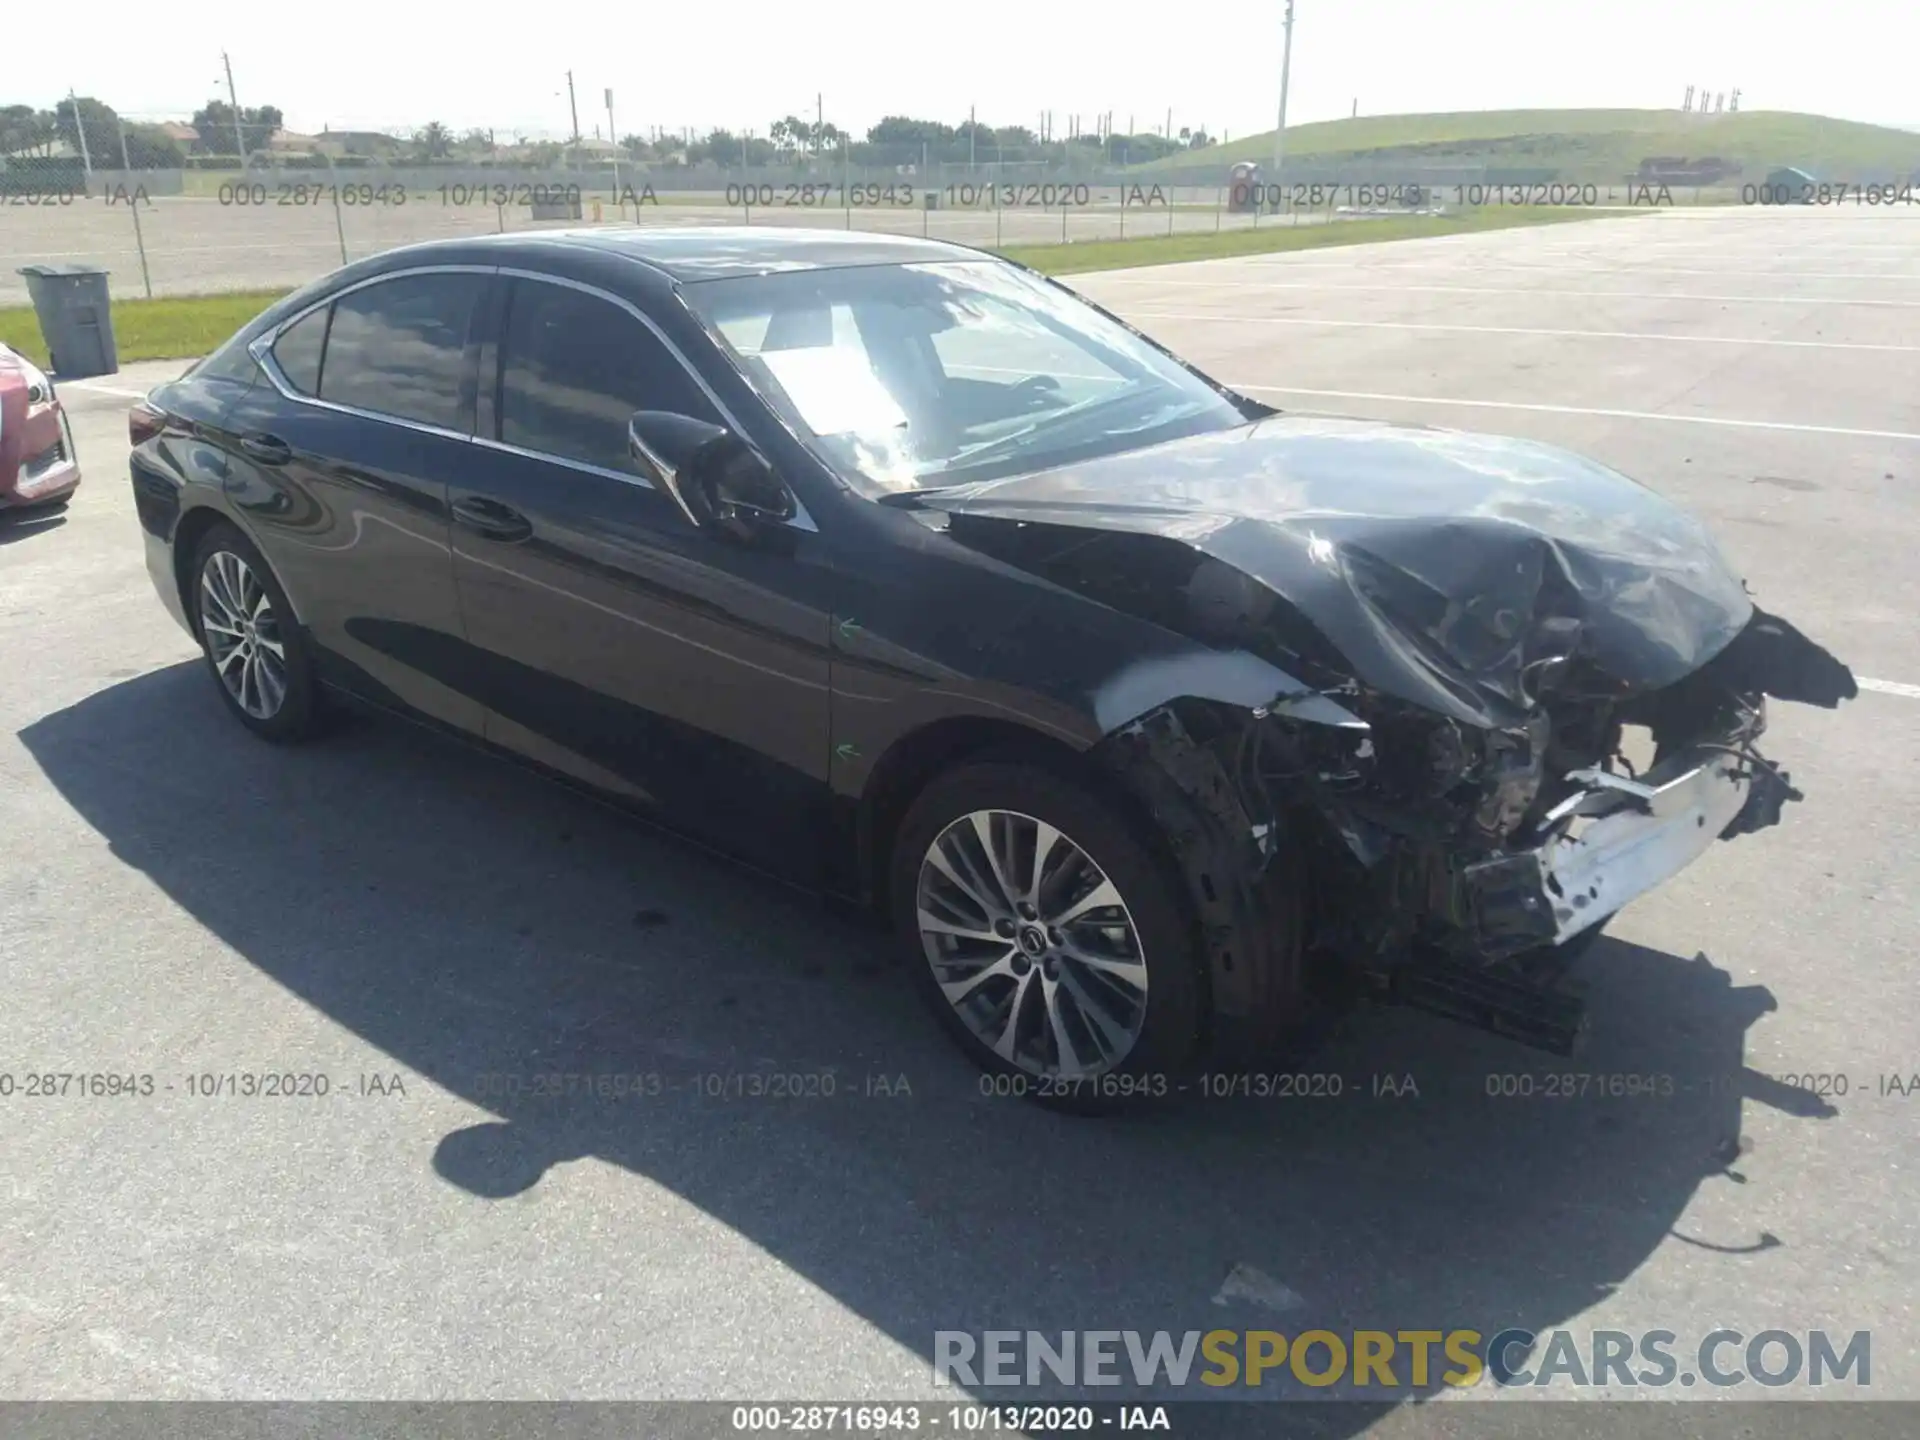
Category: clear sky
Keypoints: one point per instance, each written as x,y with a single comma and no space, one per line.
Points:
744,63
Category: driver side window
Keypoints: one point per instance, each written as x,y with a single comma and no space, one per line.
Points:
573,369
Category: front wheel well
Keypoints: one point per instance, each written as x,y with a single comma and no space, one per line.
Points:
916,759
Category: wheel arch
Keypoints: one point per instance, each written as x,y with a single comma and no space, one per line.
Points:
188,532
916,758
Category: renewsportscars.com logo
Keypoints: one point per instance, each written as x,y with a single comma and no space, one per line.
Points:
1399,1359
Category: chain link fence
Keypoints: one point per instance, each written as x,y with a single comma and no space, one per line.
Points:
138,202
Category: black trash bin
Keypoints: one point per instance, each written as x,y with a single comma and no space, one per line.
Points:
71,304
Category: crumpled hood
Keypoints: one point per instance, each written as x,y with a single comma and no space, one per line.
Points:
1444,566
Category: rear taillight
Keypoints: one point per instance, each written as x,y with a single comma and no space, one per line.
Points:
144,423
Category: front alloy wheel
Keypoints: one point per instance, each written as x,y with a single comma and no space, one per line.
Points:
242,633
1031,944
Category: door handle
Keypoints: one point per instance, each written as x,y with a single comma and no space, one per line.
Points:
491,519
267,449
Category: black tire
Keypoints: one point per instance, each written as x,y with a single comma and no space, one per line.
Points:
1168,1034
300,714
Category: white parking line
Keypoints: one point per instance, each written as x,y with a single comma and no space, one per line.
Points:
1518,330
1721,420
1892,687
1143,278
94,388
1723,252
1477,266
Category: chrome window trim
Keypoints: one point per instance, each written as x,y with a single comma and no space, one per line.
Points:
261,349
586,467
801,520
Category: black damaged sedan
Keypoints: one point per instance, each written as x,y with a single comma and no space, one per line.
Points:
1154,719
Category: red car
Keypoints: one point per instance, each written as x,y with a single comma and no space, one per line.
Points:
38,465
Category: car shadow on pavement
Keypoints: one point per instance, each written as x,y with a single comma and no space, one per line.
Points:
484,928
25,524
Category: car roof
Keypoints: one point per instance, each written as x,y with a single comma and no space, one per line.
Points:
690,254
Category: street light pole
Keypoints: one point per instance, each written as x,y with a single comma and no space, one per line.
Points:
239,139
80,133
1280,130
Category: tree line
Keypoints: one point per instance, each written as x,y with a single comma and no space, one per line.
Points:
90,126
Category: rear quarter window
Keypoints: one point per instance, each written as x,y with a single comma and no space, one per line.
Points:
298,350
230,362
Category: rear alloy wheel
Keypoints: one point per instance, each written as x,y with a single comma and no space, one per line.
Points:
1051,943
252,642
243,635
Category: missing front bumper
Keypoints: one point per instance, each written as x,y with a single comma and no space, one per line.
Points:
1614,841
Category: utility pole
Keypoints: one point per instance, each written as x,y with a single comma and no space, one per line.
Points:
612,134
1280,130
973,114
80,129
573,105
819,121
239,139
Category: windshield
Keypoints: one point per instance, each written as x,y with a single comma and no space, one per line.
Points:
909,377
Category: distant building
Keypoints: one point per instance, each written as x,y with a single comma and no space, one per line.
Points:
338,143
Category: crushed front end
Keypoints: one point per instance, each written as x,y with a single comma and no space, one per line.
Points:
1511,690
1450,865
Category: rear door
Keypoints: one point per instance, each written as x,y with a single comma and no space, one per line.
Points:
616,641
341,468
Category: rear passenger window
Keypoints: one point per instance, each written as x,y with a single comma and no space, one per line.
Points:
400,348
574,368
297,352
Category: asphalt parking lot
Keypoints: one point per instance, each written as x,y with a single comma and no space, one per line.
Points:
408,920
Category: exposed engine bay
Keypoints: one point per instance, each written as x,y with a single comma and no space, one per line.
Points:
1515,693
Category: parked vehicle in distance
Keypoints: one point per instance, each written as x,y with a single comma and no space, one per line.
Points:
38,464
1152,717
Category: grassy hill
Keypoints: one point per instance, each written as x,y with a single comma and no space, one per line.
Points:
1585,144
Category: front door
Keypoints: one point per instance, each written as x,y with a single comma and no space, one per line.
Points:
614,640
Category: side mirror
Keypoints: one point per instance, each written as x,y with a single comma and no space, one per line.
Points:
717,478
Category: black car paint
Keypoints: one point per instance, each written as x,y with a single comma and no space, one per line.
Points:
1441,567
778,697
763,698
